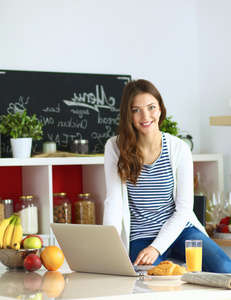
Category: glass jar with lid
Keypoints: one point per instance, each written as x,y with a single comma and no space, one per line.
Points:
79,146
8,207
62,208
27,207
84,209
1,210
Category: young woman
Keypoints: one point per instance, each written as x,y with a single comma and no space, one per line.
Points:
149,181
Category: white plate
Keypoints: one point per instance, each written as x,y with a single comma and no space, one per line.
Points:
175,277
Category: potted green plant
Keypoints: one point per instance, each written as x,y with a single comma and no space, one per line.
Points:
170,126
22,129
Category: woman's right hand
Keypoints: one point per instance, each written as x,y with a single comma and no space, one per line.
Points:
147,256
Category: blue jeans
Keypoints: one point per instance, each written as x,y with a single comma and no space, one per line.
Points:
214,259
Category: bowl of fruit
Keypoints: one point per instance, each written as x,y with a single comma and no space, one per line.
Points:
223,229
14,259
16,252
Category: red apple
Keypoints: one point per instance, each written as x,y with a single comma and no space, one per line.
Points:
219,227
31,235
32,262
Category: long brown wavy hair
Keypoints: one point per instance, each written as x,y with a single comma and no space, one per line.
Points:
131,160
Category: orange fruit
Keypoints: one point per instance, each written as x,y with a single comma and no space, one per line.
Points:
53,283
52,258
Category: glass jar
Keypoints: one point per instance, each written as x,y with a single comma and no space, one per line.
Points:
8,207
1,211
84,209
27,207
79,146
61,208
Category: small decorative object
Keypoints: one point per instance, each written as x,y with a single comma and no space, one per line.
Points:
20,127
49,147
79,146
170,126
188,140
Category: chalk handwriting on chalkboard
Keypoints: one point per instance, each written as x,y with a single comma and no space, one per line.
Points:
18,106
70,105
92,101
56,109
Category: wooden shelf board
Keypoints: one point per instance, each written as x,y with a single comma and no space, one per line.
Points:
222,242
220,121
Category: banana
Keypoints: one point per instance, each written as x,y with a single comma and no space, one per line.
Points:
17,235
8,234
3,225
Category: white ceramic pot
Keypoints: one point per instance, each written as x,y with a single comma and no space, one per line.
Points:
21,147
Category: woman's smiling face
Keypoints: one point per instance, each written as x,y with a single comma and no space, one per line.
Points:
145,113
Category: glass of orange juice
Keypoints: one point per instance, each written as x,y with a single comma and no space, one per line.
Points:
193,253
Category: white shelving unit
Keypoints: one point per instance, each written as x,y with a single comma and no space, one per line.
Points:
222,121
211,167
37,180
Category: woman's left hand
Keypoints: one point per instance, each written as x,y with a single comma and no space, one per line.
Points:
147,256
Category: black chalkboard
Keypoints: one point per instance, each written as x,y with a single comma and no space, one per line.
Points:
70,105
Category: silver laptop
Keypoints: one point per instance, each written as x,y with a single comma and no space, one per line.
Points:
95,249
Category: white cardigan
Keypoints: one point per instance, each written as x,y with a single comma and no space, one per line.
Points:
116,207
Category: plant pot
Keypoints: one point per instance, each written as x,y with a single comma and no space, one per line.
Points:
21,147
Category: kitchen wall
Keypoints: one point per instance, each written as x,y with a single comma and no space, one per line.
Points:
182,46
214,77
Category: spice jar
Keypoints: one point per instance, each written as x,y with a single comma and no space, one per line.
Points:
62,208
8,207
27,207
84,209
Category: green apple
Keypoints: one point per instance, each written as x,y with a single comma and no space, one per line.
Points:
32,243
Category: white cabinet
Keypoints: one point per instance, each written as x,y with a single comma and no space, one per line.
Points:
37,179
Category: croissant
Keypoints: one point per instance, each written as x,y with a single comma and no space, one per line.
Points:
167,268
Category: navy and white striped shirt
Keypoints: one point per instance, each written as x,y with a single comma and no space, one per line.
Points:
151,200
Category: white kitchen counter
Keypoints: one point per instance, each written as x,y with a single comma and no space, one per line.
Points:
65,284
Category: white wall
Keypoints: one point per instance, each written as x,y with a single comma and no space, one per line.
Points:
214,77
165,41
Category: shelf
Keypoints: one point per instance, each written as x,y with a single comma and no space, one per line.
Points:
220,121
47,161
86,160
222,242
207,157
